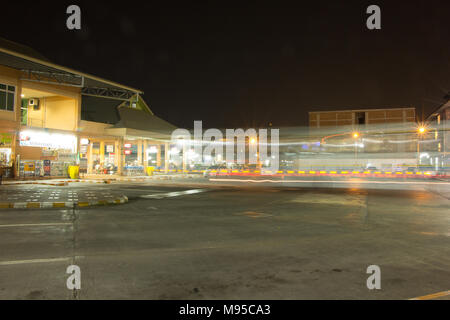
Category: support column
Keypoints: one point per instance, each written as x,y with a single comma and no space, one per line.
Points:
116,153
102,153
14,158
120,156
145,155
158,156
184,157
166,157
89,162
139,151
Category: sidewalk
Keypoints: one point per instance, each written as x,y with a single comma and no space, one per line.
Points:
21,196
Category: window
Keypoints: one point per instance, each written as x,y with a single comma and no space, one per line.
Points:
360,117
7,95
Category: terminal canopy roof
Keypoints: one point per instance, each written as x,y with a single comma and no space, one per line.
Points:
36,68
137,124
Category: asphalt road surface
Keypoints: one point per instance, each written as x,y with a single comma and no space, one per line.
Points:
190,240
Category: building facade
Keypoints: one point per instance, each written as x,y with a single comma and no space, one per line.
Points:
320,119
439,122
45,127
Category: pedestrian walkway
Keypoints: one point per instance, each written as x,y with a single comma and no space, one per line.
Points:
34,196
97,179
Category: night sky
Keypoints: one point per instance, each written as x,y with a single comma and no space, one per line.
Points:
248,63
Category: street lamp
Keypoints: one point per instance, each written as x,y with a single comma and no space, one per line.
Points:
356,136
421,130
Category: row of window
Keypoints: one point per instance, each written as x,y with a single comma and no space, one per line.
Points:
7,94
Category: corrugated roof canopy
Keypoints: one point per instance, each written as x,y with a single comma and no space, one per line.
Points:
36,68
135,119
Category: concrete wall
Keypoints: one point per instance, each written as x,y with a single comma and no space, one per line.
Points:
61,113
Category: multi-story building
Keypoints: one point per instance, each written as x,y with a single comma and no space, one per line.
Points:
439,122
52,116
386,137
320,119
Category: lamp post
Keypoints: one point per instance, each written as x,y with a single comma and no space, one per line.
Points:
356,136
420,132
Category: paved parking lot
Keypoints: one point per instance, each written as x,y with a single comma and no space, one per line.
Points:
230,242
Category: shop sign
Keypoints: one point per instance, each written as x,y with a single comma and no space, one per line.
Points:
42,139
29,167
6,140
152,149
128,151
109,148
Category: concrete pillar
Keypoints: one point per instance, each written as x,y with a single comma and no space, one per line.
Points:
14,158
158,156
89,162
166,157
116,153
120,156
145,156
184,157
102,153
139,152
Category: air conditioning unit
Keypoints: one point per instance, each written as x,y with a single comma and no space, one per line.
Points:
34,103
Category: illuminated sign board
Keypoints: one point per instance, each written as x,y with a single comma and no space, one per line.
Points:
43,139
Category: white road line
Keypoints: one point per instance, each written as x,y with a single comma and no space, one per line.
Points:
35,224
172,194
332,181
14,262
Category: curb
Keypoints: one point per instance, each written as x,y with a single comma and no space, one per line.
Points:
102,181
57,183
70,204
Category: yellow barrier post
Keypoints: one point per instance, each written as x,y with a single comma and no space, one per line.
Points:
74,172
150,171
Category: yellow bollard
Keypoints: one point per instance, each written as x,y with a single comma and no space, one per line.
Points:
74,172
150,171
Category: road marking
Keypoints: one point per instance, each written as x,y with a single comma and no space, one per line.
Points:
35,224
14,262
172,194
433,296
333,181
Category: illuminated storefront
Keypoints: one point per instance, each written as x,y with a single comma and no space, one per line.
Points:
45,153
52,117
6,140
98,156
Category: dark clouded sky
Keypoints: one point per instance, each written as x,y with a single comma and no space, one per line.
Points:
247,63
